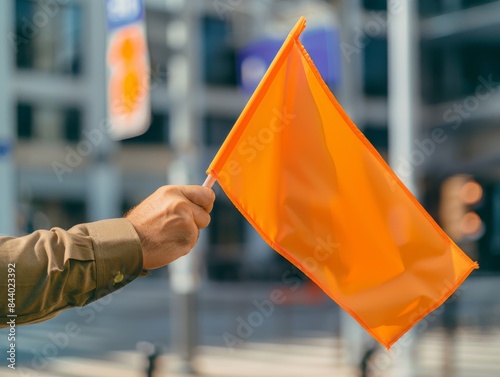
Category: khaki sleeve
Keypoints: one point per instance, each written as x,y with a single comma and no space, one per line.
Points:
58,269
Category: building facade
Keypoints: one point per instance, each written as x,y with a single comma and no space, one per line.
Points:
55,92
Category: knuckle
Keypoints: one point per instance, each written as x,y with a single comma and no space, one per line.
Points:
186,231
168,190
205,221
186,240
181,207
211,197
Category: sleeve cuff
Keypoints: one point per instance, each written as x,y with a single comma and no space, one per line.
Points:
118,254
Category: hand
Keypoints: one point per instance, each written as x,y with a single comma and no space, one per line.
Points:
169,221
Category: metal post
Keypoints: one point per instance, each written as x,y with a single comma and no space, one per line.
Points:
185,88
104,194
404,101
8,200
354,338
452,70
404,106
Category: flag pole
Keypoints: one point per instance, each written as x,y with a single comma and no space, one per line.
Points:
209,182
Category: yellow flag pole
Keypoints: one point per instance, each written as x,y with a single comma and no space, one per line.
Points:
209,182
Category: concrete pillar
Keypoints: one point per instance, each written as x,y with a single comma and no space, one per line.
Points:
185,134
104,194
355,339
404,110
8,200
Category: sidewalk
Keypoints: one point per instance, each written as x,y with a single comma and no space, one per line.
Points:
254,360
475,354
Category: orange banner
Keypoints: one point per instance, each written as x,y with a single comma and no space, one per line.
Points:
320,194
129,105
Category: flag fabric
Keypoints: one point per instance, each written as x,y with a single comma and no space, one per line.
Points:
319,193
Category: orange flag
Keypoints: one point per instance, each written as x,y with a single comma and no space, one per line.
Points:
319,193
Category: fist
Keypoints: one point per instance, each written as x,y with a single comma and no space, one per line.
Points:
169,221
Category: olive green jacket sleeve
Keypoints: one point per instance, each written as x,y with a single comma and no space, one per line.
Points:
57,269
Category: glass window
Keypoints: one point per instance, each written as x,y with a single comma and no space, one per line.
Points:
216,130
473,3
433,73
375,67
489,244
219,56
429,7
433,7
480,60
450,72
47,213
226,232
24,121
227,223
48,36
378,136
158,131
156,27
375,4
48,123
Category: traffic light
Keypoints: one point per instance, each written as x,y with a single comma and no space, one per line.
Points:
460,195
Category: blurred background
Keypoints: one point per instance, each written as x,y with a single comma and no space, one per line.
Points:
206,58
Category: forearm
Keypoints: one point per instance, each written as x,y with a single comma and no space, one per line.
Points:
58,269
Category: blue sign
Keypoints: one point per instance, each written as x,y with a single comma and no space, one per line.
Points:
322,44
5,148
121,13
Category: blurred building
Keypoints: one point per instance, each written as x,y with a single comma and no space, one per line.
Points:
459,47
58,94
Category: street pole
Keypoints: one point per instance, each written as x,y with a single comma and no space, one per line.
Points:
184,88
404,101
8,199
104,193
404,106
354,338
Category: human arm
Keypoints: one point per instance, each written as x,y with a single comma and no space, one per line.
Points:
58,269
